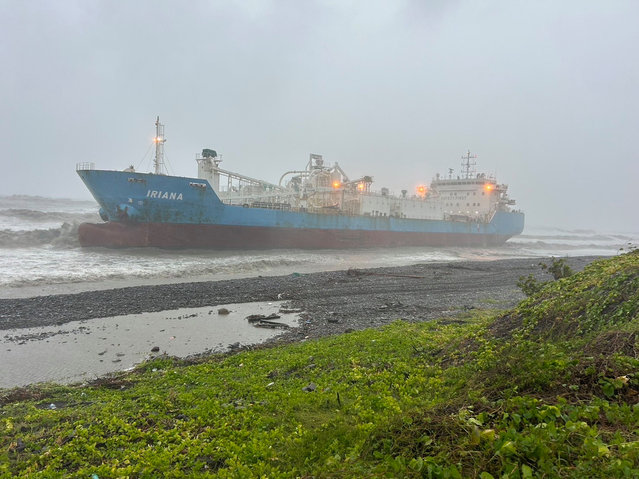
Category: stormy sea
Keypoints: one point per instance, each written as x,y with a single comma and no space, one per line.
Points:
40,253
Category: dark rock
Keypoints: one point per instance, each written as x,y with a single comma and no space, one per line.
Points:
223,311
310,388
155,349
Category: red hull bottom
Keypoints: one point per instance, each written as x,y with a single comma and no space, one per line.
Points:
167,235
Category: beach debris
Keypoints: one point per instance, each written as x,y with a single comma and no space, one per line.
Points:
265,323
52,406
272,383
234,346
310,388
155,349
120,355
223,311
102,353
253,318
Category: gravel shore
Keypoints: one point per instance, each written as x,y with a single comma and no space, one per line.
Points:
333,302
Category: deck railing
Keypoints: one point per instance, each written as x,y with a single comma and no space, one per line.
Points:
84,166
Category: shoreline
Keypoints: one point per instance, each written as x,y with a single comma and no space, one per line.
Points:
333,301
71,337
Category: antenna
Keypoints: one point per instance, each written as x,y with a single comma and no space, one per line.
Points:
159,141
468,167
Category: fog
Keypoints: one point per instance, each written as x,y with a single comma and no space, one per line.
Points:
546,94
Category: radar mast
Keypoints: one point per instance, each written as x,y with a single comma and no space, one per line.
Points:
159,141
468,167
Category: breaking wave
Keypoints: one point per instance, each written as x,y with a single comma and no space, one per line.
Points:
37,216
574,242
579,238
548,245
65,236
129,267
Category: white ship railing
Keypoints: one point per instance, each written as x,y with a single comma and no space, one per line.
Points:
84,166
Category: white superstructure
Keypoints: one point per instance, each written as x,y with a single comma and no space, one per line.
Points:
328,190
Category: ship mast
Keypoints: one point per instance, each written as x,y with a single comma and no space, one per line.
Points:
159,140
468,169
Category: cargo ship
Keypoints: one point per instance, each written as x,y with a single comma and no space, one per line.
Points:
317,207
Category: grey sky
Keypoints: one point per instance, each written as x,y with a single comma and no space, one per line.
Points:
545,92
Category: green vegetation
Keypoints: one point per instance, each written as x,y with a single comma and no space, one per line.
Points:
558,268
549,389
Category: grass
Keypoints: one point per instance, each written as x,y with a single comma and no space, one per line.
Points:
549,389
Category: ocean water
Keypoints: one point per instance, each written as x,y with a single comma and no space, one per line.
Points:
40,253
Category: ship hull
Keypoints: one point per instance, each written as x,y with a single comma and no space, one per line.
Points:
166,235
145,210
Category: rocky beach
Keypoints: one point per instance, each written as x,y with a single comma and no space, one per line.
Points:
68,338
332,302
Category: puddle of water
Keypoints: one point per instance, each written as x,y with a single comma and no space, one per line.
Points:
85,350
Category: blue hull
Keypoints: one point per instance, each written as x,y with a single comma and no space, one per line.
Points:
177,212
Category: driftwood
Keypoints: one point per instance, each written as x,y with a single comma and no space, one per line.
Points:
265,323
253,318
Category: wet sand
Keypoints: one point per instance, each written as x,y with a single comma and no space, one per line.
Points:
332,302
